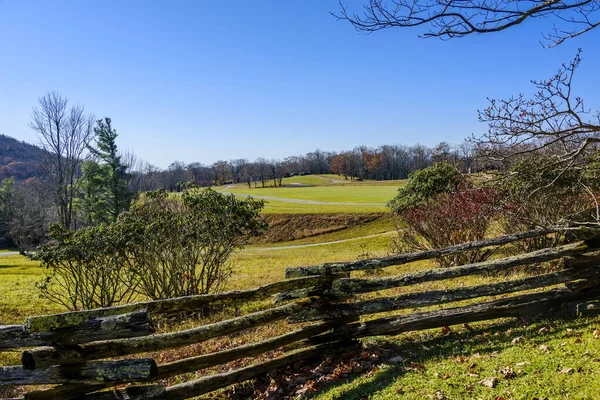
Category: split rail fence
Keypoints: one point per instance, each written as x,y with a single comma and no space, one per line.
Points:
91,354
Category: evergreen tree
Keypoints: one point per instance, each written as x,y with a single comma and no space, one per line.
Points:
92,193
108,182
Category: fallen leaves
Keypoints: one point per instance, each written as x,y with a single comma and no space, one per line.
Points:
518,339
507,372
566,371
545,348
490,382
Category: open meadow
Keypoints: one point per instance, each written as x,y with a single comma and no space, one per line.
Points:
320,194
551,359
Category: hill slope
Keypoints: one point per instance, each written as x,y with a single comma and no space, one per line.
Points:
19,159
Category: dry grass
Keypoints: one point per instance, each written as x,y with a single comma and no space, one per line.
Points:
289,227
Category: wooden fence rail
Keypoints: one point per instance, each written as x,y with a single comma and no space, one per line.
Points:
76,351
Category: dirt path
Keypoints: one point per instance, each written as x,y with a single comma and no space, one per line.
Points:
9,253
300,246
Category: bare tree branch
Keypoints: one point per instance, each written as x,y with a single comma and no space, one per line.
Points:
64,133
449,19
553,122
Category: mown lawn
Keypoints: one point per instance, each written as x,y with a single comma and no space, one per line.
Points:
283,207
378,195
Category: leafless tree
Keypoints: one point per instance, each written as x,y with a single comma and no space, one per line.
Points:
448,19
554,122
64,132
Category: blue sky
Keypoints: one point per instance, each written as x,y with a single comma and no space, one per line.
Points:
205,80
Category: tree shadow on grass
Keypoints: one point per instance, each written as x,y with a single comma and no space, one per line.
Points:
434,346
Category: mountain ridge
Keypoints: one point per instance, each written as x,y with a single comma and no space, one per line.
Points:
19,159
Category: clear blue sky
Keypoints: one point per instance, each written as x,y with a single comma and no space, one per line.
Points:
207,80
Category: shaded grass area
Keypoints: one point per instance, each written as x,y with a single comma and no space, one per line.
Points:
520,360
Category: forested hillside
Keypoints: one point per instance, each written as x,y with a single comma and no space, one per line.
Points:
19,159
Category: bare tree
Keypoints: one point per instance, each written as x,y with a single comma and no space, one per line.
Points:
553,122
64,132
449,19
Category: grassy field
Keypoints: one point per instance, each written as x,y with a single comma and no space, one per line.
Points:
321,194
358,194
553,359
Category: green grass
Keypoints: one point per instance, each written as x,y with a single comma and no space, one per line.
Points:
281,207
334,194
255,267
19,299
451,366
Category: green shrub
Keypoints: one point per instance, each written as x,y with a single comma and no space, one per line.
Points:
538,193
181,246
424,185
88,268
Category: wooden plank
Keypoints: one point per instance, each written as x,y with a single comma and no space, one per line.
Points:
214,382
119,347
433,297
345,287
44,323
121,371
250,350
330,268
530,304
133,324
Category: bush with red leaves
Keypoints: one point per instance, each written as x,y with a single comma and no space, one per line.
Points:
449,219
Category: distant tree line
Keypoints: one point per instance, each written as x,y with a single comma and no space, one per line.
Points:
385,162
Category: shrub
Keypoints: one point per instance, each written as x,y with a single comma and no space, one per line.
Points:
181,246
424,185
537,193
449,219
89,268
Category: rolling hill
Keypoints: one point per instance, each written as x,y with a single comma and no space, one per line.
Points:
19,159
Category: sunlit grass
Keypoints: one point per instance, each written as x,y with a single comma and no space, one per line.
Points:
281,207
446,360
438,366
336,194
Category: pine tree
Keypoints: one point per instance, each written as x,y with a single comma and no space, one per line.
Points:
115,194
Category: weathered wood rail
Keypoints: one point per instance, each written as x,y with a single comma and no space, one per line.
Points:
82,352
